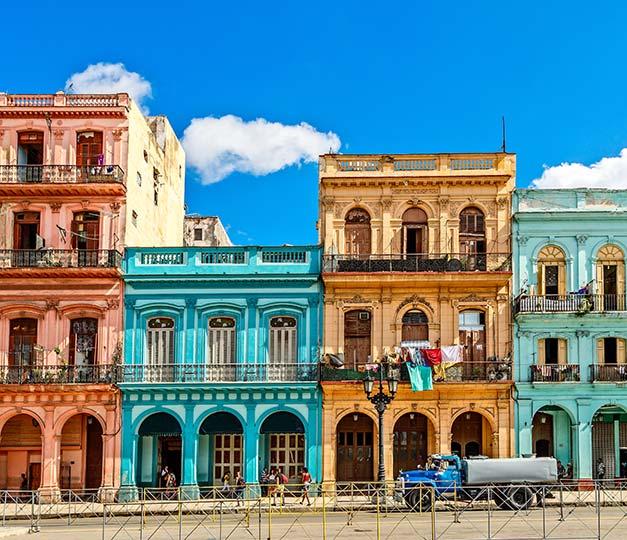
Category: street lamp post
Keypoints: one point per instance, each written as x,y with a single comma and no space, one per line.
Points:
381,400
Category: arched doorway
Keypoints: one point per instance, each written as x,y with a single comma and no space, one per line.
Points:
411,442
609,442
551,434
415,232
357,233
81,453
471,435
220,448
160,445
282,443
20,453
355,449
357,330
415,326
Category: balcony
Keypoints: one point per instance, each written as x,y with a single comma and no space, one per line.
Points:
432,262
43,374
222,373
225,262
59,258
60,174
492,371
608,373
570,303
60,100
555,373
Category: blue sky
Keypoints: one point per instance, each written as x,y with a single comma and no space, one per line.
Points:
389,77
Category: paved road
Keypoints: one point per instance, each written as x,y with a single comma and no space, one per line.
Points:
578,523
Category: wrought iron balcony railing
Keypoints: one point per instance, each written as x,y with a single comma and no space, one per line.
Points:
60,174
426,262
64,374
491,371
555,373
608,373
217,373
570,303
60,258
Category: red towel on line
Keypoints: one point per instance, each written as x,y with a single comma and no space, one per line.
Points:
432,357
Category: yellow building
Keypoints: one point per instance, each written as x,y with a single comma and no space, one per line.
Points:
417,248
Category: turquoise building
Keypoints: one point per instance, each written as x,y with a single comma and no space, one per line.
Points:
570,327
220,364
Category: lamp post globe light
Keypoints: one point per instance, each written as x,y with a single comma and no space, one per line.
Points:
380,399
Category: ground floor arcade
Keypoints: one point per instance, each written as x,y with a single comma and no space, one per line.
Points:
586,428
467,419
59,440
200,434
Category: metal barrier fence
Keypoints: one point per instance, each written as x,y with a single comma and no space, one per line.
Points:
368,510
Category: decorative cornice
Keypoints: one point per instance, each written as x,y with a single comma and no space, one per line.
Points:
415,301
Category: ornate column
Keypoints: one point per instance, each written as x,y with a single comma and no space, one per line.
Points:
189,485
128,489
109,458
583,436
252,331
386,227
524,426
251,447
50,460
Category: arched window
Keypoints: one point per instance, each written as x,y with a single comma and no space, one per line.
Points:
221,341
160,342
472,231
357,232
610,278
89,150
415,231
551,271
283,340
415,326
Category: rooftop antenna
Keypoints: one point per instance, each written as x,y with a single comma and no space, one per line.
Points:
503,145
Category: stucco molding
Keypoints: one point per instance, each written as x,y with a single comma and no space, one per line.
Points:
415,301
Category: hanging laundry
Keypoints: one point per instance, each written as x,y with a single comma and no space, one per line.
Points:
453,354
420,378
439,373
426,376
432,357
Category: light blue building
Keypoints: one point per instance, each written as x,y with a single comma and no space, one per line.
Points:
220,364
570,327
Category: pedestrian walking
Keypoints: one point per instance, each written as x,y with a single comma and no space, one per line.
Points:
170,485
264,481
226,484
305,480
240,487
600,469
163,476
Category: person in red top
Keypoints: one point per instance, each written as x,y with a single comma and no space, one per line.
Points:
305,479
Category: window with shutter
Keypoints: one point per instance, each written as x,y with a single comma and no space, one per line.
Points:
551,271
160,342
221,341
283,342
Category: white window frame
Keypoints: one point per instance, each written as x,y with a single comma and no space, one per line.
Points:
283,342
221,343
160,344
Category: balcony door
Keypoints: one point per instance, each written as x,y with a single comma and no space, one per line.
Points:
30,154
89,149
357,331
22,341
472,339
221,349
26,230
357,233
415,232
159,359
83,341
415,326
86,237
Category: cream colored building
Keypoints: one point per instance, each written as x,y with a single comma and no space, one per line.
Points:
417,247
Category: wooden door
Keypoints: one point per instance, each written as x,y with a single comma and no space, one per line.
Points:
358,239
415,326
410,442
357,331
93,454
25,230
89,148
86,237
355,449
34,476
22,341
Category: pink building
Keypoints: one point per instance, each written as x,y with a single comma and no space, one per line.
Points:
80,177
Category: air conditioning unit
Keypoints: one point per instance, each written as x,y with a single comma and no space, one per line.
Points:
364,315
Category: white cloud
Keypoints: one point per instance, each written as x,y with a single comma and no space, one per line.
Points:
608,172
105,78
217,147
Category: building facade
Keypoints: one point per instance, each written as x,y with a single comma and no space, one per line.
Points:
221,364
570,327
71,197
416,247
205,231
